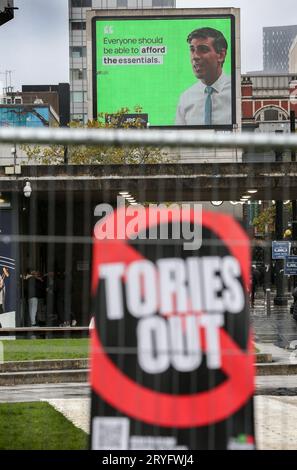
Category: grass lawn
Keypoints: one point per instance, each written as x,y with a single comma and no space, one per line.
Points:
37,426
33,349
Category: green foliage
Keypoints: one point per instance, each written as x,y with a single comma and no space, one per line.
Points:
37,349
265,219
98,154
37,426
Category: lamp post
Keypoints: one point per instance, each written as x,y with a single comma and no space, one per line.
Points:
66,159
279,298
267,259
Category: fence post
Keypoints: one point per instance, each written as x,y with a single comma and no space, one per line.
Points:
268,304
1,353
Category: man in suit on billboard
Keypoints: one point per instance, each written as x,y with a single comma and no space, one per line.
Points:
207,102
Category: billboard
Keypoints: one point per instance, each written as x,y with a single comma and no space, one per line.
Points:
8,298
178,70
25,116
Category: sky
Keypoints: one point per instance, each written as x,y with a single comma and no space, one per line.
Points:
34,46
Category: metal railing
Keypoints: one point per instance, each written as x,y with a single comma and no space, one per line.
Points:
169,138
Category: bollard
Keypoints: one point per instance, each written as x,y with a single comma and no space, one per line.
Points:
268,304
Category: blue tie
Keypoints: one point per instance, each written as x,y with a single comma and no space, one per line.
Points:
208,105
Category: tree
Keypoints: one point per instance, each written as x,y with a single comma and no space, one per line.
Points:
99,154
265,219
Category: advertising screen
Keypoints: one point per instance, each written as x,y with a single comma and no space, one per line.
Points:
24,116
180,71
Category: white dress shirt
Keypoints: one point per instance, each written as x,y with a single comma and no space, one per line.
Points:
191,106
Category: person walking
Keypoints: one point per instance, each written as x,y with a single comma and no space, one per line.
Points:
33,288
294,306
255,283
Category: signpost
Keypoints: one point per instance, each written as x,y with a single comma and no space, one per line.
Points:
172,354
291,266
280,249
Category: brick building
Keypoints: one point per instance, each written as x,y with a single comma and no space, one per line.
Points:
267,100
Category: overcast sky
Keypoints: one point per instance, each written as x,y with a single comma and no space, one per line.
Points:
34,46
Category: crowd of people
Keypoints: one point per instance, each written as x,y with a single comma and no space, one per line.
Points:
44,299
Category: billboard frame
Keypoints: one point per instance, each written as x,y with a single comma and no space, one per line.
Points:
156,16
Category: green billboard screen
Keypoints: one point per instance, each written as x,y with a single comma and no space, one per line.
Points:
179,70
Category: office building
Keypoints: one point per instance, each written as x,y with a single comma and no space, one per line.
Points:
293,57
58,96
77,43
6,11
277,41
21,109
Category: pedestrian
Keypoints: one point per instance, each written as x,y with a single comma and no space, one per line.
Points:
35,295
255,280
294,309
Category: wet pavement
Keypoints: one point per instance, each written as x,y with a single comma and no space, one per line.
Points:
275,419
36,392
279,328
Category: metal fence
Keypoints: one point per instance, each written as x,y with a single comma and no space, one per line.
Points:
48,213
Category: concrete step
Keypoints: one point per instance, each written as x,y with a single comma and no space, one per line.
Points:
263,358
277,368
81,375
43,377
76,364
53,364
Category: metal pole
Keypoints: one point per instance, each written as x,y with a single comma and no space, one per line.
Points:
268,302
66,155
280,298
148,137
267,259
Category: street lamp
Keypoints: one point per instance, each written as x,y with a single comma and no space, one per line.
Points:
27,189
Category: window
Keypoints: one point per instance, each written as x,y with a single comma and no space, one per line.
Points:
78,117
271,115
83,118
81,3
78,74
122,3
78,25
77,52
163,3
77,96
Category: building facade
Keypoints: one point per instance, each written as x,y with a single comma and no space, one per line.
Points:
23,110
293,57
6,11
58,96
77,45
267,101
277,41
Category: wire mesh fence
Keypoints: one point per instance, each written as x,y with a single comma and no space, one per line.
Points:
48,215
